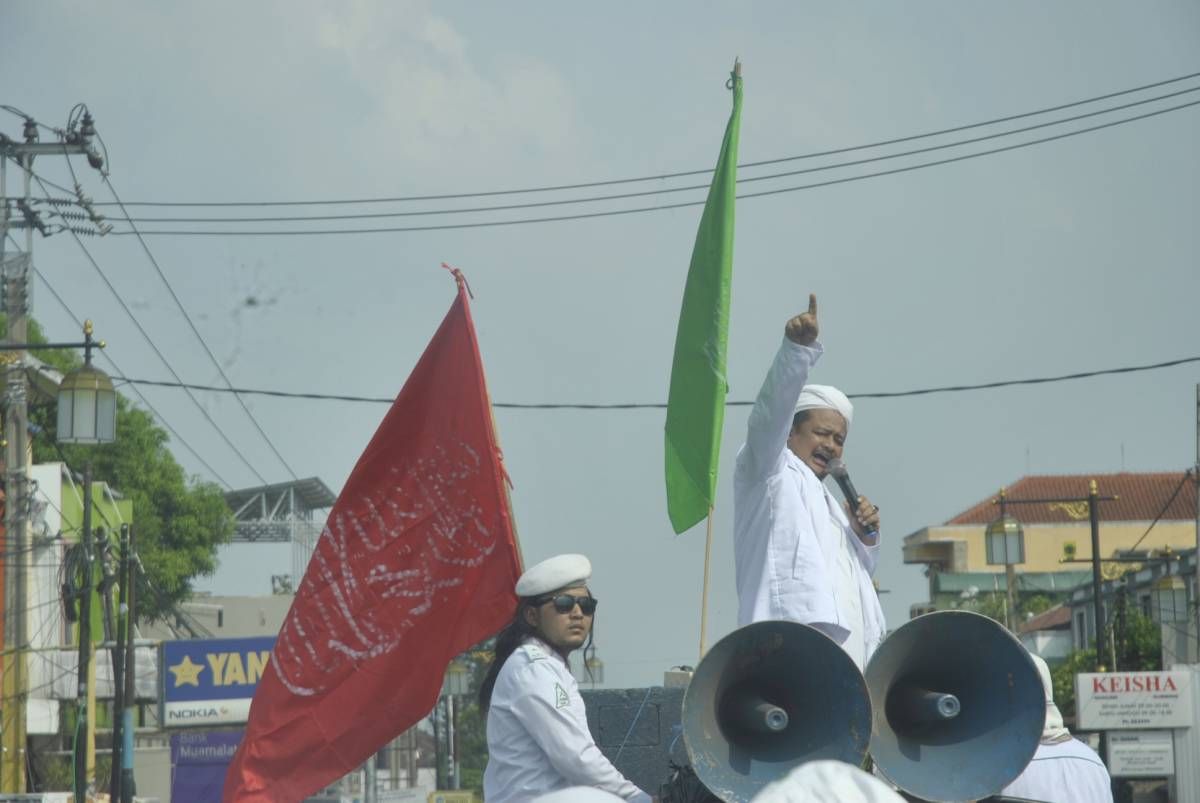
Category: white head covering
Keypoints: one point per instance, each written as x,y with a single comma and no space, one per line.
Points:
578,794
827,782
1053,731
825,396
561,571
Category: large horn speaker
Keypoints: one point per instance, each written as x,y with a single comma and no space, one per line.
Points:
958,707
768,697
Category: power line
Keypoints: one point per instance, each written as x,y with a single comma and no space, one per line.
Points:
680,174
662,406
660,207
117,369
1182,481
179,304
156,350
150,407
661,191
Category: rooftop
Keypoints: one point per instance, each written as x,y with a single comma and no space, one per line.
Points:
1170,495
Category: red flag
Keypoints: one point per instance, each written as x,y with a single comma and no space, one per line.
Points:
417,562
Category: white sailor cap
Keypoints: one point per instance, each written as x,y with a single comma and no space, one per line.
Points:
554,573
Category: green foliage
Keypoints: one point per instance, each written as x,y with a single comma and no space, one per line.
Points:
179,520
992,606
1062,678
1138,644
1032,606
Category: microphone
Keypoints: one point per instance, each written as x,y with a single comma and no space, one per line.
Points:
837,470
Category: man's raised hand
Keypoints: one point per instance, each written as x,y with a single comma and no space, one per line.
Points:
803,328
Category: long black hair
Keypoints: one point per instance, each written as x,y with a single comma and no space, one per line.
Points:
514,634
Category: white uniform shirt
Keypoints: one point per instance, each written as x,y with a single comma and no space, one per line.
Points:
787,527
1067,772
537,733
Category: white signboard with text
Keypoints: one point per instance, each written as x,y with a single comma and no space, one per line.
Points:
1133,700
1141,754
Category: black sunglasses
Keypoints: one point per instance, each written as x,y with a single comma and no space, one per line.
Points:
565,603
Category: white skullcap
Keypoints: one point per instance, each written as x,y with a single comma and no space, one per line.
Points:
554,573
827,782
826,397
579,794
1054,730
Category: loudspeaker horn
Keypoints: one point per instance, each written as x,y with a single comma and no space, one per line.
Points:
768,697
958,707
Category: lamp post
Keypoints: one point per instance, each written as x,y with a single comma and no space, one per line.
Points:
87,414
1092,499
457,682
1005,541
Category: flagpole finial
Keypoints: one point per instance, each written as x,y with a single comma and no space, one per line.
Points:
459,278
736,75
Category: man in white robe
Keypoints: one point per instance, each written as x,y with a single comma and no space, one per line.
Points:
799,556
1064,769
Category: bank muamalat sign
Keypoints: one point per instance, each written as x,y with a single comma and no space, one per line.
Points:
1116,700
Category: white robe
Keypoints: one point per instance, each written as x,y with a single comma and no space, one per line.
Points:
537,733
788,530
1067,772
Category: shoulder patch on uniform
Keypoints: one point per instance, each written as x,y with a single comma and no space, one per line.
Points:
534,652
561,699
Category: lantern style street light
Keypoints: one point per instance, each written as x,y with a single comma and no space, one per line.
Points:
87,402
87,414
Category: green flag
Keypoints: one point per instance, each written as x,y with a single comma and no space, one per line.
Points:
696,404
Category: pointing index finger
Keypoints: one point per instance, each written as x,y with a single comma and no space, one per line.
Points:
812,304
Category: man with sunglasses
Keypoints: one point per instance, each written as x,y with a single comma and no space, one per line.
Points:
799,555
537,731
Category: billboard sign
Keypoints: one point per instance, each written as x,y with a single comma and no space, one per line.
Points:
1137,700
211,681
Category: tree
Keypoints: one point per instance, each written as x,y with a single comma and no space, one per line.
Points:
1138,647
179,520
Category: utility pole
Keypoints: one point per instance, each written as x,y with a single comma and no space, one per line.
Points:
15,273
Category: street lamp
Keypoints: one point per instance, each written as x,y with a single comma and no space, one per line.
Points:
1168,600
87,402
1005,544
87,414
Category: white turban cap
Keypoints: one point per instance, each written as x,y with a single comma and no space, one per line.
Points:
1054,730
828,782
554,573
825,396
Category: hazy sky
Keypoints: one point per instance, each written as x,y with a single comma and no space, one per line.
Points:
1075,255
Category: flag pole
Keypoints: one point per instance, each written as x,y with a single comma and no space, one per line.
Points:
704,593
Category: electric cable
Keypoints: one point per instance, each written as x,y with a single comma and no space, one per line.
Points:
1182,481
680,174
658,208
146,402
661,191
662,405
157,351
191,325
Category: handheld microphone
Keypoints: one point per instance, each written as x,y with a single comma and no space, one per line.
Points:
837,470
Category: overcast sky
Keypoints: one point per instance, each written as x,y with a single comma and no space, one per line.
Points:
1074,255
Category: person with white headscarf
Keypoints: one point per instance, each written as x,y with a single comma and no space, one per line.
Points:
537,730
1064,769
799,555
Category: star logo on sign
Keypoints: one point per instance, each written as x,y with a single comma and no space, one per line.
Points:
186,672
